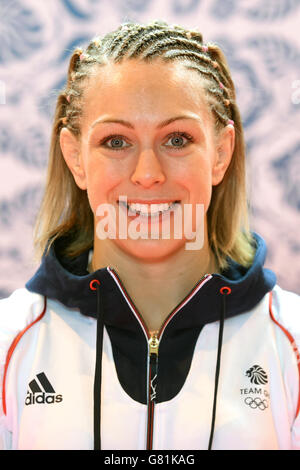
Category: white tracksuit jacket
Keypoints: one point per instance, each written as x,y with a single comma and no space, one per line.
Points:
149,398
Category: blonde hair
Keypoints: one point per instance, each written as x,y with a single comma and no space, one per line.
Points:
65,209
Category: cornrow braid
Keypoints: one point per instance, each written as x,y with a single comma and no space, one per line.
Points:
128,33
217,90
217,55
131,32
133,41
168,43
195,57
124,38
152,39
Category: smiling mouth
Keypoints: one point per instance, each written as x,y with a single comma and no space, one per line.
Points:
149,209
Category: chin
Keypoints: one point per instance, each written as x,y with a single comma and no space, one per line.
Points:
148,250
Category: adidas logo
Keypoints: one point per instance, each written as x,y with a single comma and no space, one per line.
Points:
41,391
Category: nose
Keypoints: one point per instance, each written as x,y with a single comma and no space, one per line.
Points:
148,170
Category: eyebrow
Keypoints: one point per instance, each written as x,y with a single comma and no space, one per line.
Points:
128,124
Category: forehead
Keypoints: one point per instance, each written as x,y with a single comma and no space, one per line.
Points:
147,92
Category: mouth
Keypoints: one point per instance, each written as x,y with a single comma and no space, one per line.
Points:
149,208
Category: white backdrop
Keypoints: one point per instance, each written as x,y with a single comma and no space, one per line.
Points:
262,43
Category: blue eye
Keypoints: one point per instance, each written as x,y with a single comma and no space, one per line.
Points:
117,138
176,137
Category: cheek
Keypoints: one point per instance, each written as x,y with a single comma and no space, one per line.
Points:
101,181
199,184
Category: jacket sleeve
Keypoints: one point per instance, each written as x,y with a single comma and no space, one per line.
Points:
16,312
7,332
285,309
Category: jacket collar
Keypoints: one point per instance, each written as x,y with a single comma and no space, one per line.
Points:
69,282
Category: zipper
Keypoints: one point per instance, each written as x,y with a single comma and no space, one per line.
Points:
152,384
153,347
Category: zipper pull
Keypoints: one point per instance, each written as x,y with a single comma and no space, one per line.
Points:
153,344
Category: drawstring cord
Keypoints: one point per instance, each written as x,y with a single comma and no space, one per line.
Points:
98,366
224,291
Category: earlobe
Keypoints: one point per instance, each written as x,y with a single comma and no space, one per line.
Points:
70,148
224,152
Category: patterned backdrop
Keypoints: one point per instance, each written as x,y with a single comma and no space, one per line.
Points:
262,43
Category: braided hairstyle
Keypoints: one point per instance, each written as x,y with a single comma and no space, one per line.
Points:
65,209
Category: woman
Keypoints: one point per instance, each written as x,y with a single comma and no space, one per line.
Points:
123,340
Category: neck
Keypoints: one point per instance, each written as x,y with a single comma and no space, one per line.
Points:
156,288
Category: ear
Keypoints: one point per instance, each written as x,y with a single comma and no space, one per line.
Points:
224,152
70,147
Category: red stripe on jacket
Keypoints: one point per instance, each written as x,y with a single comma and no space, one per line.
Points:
13,347
293,344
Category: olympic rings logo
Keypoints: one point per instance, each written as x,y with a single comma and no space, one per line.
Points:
256,403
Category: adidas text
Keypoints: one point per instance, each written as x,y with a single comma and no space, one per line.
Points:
33,398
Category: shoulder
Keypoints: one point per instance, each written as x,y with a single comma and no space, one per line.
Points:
17,312
19,309
285,310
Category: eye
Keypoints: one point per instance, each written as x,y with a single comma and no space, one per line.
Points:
117,139
177,139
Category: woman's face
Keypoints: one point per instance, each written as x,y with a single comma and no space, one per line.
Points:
164,150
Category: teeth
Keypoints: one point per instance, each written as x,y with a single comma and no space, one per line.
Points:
149,209
160,207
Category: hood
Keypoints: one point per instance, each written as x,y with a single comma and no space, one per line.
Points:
68,281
